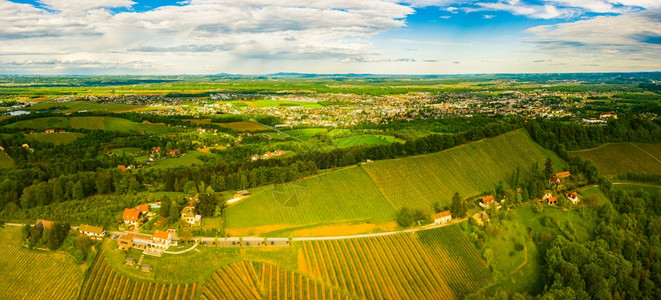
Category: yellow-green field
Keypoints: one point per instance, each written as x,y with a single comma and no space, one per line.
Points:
242,126
55,138
6,162
618,158
31,274
342,196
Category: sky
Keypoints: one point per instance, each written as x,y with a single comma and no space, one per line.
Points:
171,37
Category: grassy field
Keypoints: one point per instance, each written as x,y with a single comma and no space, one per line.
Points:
191,158
27,274
251,280
127,150
242,126
613,159
653,190
347,195
367,139
438,264
304,134
55,138
470,169
105,283
91,123
6,162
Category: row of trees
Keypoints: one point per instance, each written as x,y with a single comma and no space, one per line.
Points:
52,238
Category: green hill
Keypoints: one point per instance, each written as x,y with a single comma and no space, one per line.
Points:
55,138
91,123
617,158
373,192
470,169
347,195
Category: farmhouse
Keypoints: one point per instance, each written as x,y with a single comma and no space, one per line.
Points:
552,200
133,216
190,216
487,200
442,217
94,232
122,168
152,245
242,193
559,177
49,131
45,224
572,196
547,194
607,115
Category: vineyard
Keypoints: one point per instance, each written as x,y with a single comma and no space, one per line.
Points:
105,283
6,162
613,159
251,280
242,126
55,138
344,195
367,139
470,169
443,265
35,275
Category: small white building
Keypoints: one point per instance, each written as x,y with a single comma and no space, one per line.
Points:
442,217
573,197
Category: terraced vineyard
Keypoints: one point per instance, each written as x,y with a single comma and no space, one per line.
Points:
469,169
398,266
251,280
105,283
33,275
617,158
344,195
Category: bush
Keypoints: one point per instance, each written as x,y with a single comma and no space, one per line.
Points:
537,207
405,217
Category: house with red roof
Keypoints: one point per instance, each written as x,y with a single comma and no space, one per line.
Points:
133,216
487,200
573,197
442,217
552,200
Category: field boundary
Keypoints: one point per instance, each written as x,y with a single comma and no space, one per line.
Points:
645,151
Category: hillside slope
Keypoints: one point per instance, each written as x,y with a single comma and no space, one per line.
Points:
617,158
373,192
469,169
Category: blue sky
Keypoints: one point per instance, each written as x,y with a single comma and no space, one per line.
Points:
329,36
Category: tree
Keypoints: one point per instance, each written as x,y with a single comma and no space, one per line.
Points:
190,187
458,207
83,242
166,203
548,168
174,212
207,204
78,192
437,207
404,217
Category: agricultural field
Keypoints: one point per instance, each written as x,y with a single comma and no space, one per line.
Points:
33,274
367,139
618,158
105,283
6,162
653,190
55,138
304,134
470,169
252,280
341,196
439,264
90,123
126,150
242,126
191,158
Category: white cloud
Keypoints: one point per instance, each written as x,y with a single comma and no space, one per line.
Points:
255,29
516,7
623,38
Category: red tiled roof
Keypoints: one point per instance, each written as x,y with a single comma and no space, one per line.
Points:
142,207
442,214
164,235
488,199
131,214
553,199
563,174
127,237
